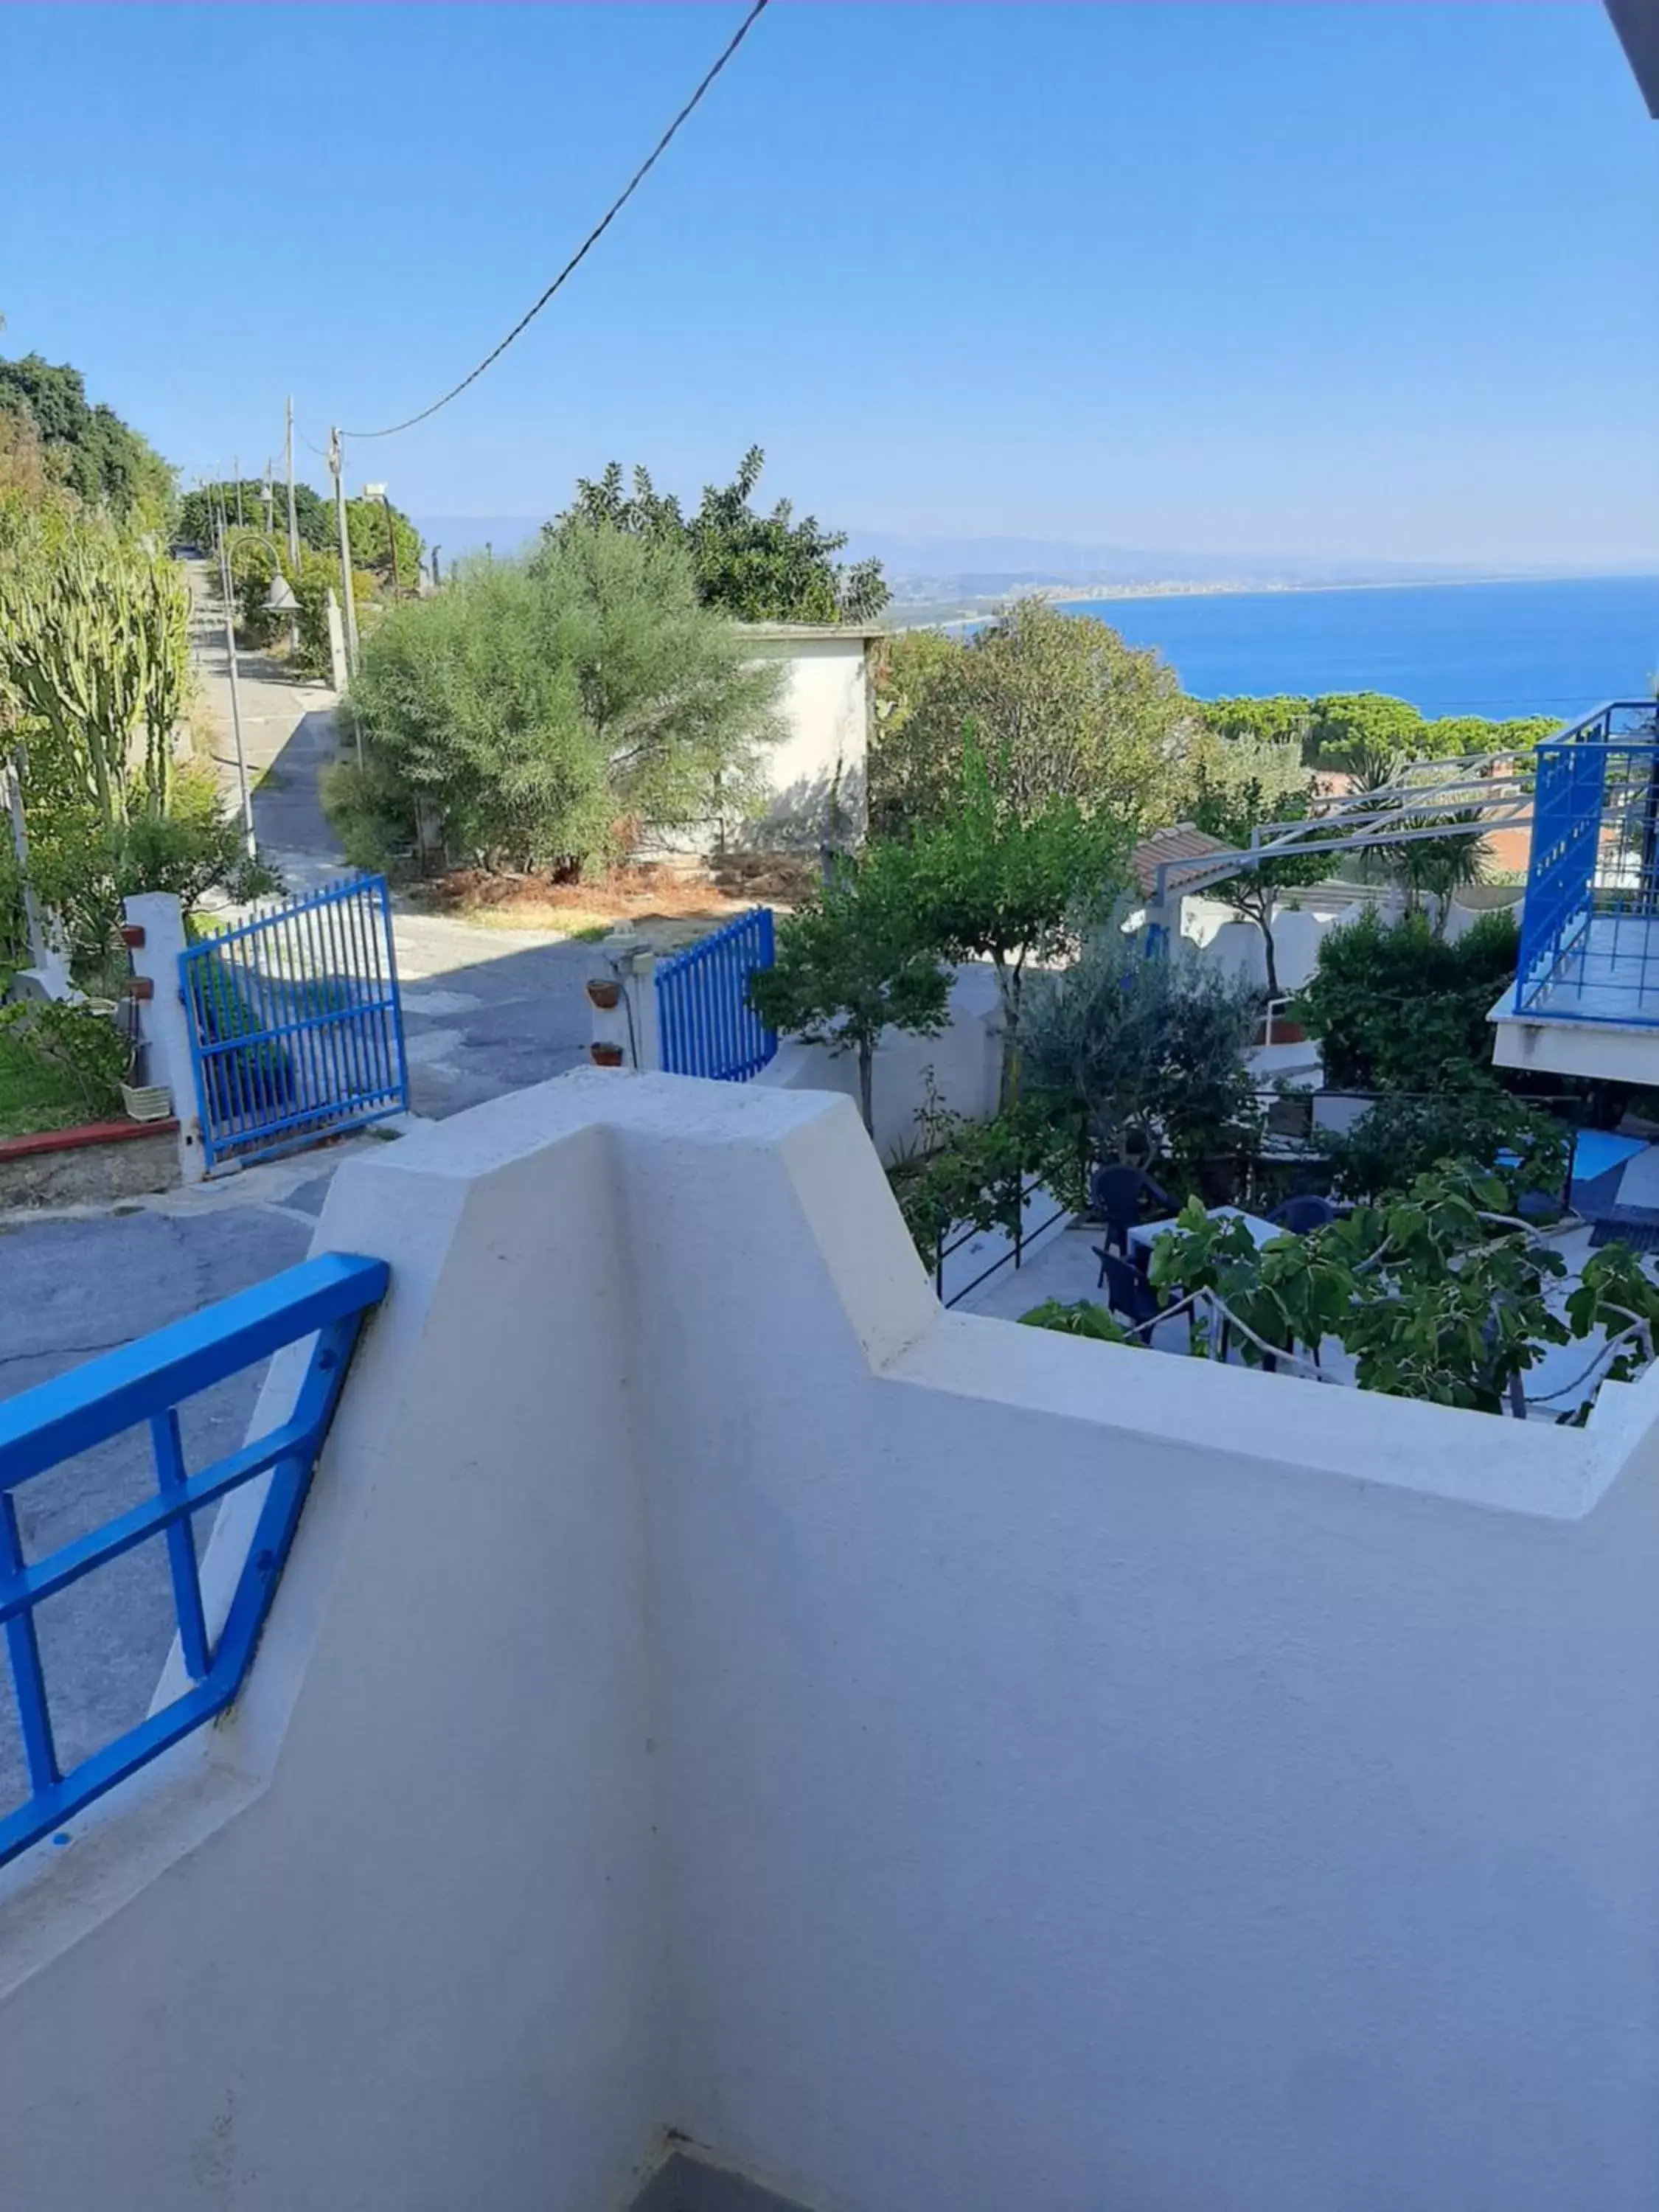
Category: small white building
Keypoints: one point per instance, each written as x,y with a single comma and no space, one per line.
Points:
818,772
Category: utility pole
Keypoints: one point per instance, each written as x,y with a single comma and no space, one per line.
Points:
392,540
236,698
293,526
337,464
293,530
236,471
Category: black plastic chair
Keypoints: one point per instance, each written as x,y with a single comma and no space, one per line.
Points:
1299,1215
1115,1193
1128,1290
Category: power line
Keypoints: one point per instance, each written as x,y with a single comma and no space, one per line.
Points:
592,239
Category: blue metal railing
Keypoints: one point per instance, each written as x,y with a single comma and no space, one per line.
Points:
296,1025
144,1382
705,1023
1590,928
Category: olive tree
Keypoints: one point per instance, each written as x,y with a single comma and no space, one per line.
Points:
543,714
1150,1051
1062,708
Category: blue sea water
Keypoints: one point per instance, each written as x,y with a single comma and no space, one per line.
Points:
1496,649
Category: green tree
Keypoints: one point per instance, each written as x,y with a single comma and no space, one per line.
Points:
196,522
1063,709
1244,786
542,715
992,884
1282,719
852,961
1396,1008
1453,735
88,449
371,529
754,567
1345,724
1150,1053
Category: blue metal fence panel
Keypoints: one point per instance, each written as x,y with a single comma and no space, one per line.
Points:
326,1298
1590,928
296,1026
705,1023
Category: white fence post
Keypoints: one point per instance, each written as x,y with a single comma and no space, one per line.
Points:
625,1033
158,921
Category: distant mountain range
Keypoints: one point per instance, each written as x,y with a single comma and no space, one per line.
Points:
980,564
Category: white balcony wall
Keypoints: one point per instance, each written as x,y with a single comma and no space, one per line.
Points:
938,1765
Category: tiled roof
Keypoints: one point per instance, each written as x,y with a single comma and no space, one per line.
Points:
1183,842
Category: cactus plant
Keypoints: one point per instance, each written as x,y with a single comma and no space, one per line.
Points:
94,651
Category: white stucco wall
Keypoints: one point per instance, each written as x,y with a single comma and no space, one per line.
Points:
816,772
940,1766
391,1937
964,1062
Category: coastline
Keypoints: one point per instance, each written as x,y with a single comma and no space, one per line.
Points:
976,612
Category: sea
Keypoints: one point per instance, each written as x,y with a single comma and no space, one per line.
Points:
1492,649
1496,649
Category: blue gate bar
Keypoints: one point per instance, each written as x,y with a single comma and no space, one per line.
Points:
705,1023
325,1299
296,1023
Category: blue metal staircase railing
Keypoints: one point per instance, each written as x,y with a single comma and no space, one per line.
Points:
144,1382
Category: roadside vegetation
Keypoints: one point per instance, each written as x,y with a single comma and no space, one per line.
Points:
94,691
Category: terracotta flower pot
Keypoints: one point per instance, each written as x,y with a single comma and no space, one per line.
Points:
605,1056
604,995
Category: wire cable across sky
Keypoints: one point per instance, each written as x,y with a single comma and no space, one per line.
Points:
592,239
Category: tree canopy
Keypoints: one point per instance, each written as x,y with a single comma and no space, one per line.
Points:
88,449
541,714
314,515
753,567
1339,729
1061,708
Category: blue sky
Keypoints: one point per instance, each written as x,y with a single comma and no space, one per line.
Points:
1328,280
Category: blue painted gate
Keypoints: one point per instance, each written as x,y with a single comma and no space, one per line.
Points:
295,1026
705,1023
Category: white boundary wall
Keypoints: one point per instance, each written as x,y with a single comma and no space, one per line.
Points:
964,1061
941,1765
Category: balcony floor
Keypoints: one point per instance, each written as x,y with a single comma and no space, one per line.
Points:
1611,975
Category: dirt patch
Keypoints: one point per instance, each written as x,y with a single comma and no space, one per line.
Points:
670,905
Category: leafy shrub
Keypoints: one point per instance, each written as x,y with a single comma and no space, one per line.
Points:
544,712
1061,708
83,866
1082,1318
855,958
975,1173
375,827
1438,1292
1148,1054
85,1047
1396,1008
1400,1138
